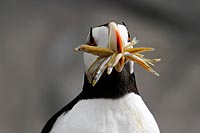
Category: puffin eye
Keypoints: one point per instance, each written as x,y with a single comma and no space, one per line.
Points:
92,41
129,37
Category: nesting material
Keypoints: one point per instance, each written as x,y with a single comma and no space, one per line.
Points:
109,59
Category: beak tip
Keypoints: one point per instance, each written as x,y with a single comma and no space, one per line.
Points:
77,49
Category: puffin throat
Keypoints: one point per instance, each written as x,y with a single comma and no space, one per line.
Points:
112,86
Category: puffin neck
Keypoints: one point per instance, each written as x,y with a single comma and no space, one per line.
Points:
112,86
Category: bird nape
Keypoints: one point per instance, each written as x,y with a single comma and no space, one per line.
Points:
109,101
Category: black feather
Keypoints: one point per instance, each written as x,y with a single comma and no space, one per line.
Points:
111,86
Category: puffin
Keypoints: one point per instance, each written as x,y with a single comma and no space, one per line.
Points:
109,101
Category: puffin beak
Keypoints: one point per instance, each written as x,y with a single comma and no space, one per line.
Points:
116,44
115,55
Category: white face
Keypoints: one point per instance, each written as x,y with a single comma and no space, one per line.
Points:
102,36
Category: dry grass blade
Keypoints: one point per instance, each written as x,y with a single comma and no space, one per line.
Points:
110,66
141,62
117,58
100,70
139,55
133,42
109,59
138,50
152,60
99,51
93,68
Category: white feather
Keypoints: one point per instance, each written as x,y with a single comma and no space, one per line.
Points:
100,35
128,114
88,60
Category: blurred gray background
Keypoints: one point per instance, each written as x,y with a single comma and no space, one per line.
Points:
40,72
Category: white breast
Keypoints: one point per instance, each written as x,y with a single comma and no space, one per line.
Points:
128,114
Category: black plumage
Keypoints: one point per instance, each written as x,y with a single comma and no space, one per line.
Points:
112,86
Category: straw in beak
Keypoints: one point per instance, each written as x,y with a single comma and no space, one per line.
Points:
115,55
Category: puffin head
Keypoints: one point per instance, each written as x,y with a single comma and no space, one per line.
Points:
109,47
111,35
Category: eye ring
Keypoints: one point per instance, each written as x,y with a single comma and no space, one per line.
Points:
92,41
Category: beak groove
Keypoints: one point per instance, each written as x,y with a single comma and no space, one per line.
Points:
119,42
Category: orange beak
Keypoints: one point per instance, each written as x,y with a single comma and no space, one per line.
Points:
116,44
